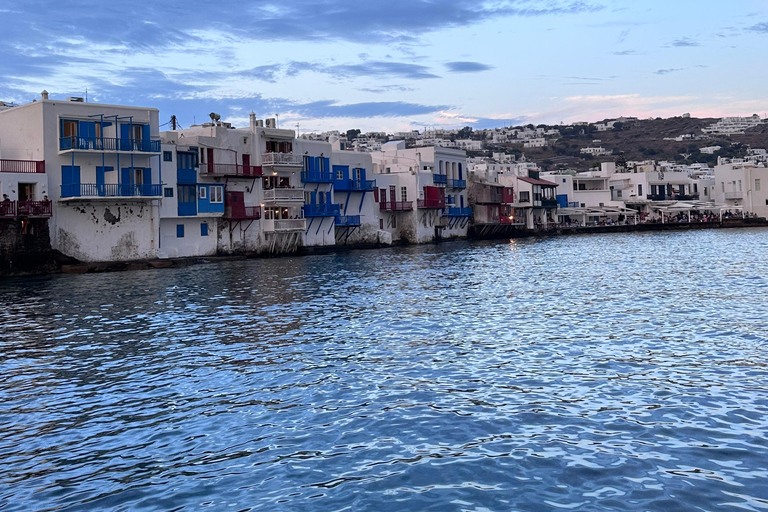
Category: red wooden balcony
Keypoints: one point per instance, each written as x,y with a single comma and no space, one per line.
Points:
15,209
396,206
242,213
431,203
245,171
23,166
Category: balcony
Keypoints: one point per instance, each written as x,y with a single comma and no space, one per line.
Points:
233,170
348,220
457,184
281,160
246,213
282,225
396,206
316,177
734,195
285,195
549,203
75,143
321,210
22,166
95,191
430,203
458,212
355,185
439,179
13,209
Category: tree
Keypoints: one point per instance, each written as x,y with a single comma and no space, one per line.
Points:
464,133
353,133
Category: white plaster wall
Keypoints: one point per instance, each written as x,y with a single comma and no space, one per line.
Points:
193,243
107,231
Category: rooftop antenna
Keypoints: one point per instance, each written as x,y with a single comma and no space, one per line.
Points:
277,121
86,95
298,131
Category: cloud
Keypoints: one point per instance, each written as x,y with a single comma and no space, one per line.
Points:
328,108
761,28
467,67
684,42
624,53
387,88
667,71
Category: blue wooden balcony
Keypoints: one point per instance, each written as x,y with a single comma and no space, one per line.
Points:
321,210
439,179
348,220
354,185
76,143
458,212
457,183
316,177
111,190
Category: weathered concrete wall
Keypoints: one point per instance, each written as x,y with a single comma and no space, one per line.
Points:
111,231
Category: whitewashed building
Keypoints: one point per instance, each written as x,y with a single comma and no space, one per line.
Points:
103,173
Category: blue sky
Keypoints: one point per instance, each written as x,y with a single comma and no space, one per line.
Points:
395,65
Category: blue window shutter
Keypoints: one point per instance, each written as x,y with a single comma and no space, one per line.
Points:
179,230
203,229
145,132
312,164
327,165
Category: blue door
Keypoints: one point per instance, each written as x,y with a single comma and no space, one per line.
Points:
145,143
187,196
87,137
70,181
125,137
126,181
100,179
146,185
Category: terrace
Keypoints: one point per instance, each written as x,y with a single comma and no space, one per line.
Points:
110,190
231,170
77,143
22,166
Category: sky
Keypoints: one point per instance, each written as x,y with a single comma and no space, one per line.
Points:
392,66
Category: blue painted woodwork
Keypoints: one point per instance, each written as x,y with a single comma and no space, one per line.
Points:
179,230
203,229
70,179
187,200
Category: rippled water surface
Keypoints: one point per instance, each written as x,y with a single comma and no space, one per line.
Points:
605,372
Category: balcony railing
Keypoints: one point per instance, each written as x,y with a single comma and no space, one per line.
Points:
439,179
457,183
734,195
246,171
74,142
321,210
549,203
8,209
396,206
355,185
111,190
348,220
458,212
658,197
22,166
247,213
35,209
11,209
286,159
271,225
284,194
316,177
431,203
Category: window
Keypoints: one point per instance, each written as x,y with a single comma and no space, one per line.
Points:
167,192
381,223
186,193
167,156
179,230
403,194
202,193
217,194
339,175
525,197
394,222
757,184
639,189
203,229
618,193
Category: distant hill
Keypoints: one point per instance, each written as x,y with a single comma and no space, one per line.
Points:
640,140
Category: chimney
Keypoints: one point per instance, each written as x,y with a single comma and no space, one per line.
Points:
253,119
44,95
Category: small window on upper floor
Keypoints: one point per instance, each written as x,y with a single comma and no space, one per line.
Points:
167,156
168,192
202,193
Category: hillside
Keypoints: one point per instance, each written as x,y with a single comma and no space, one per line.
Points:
640,140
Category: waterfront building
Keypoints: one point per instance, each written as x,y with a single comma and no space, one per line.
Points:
743,184
422,192
102,174
492,197
535,200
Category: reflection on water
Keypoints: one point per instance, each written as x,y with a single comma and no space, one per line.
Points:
587,373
